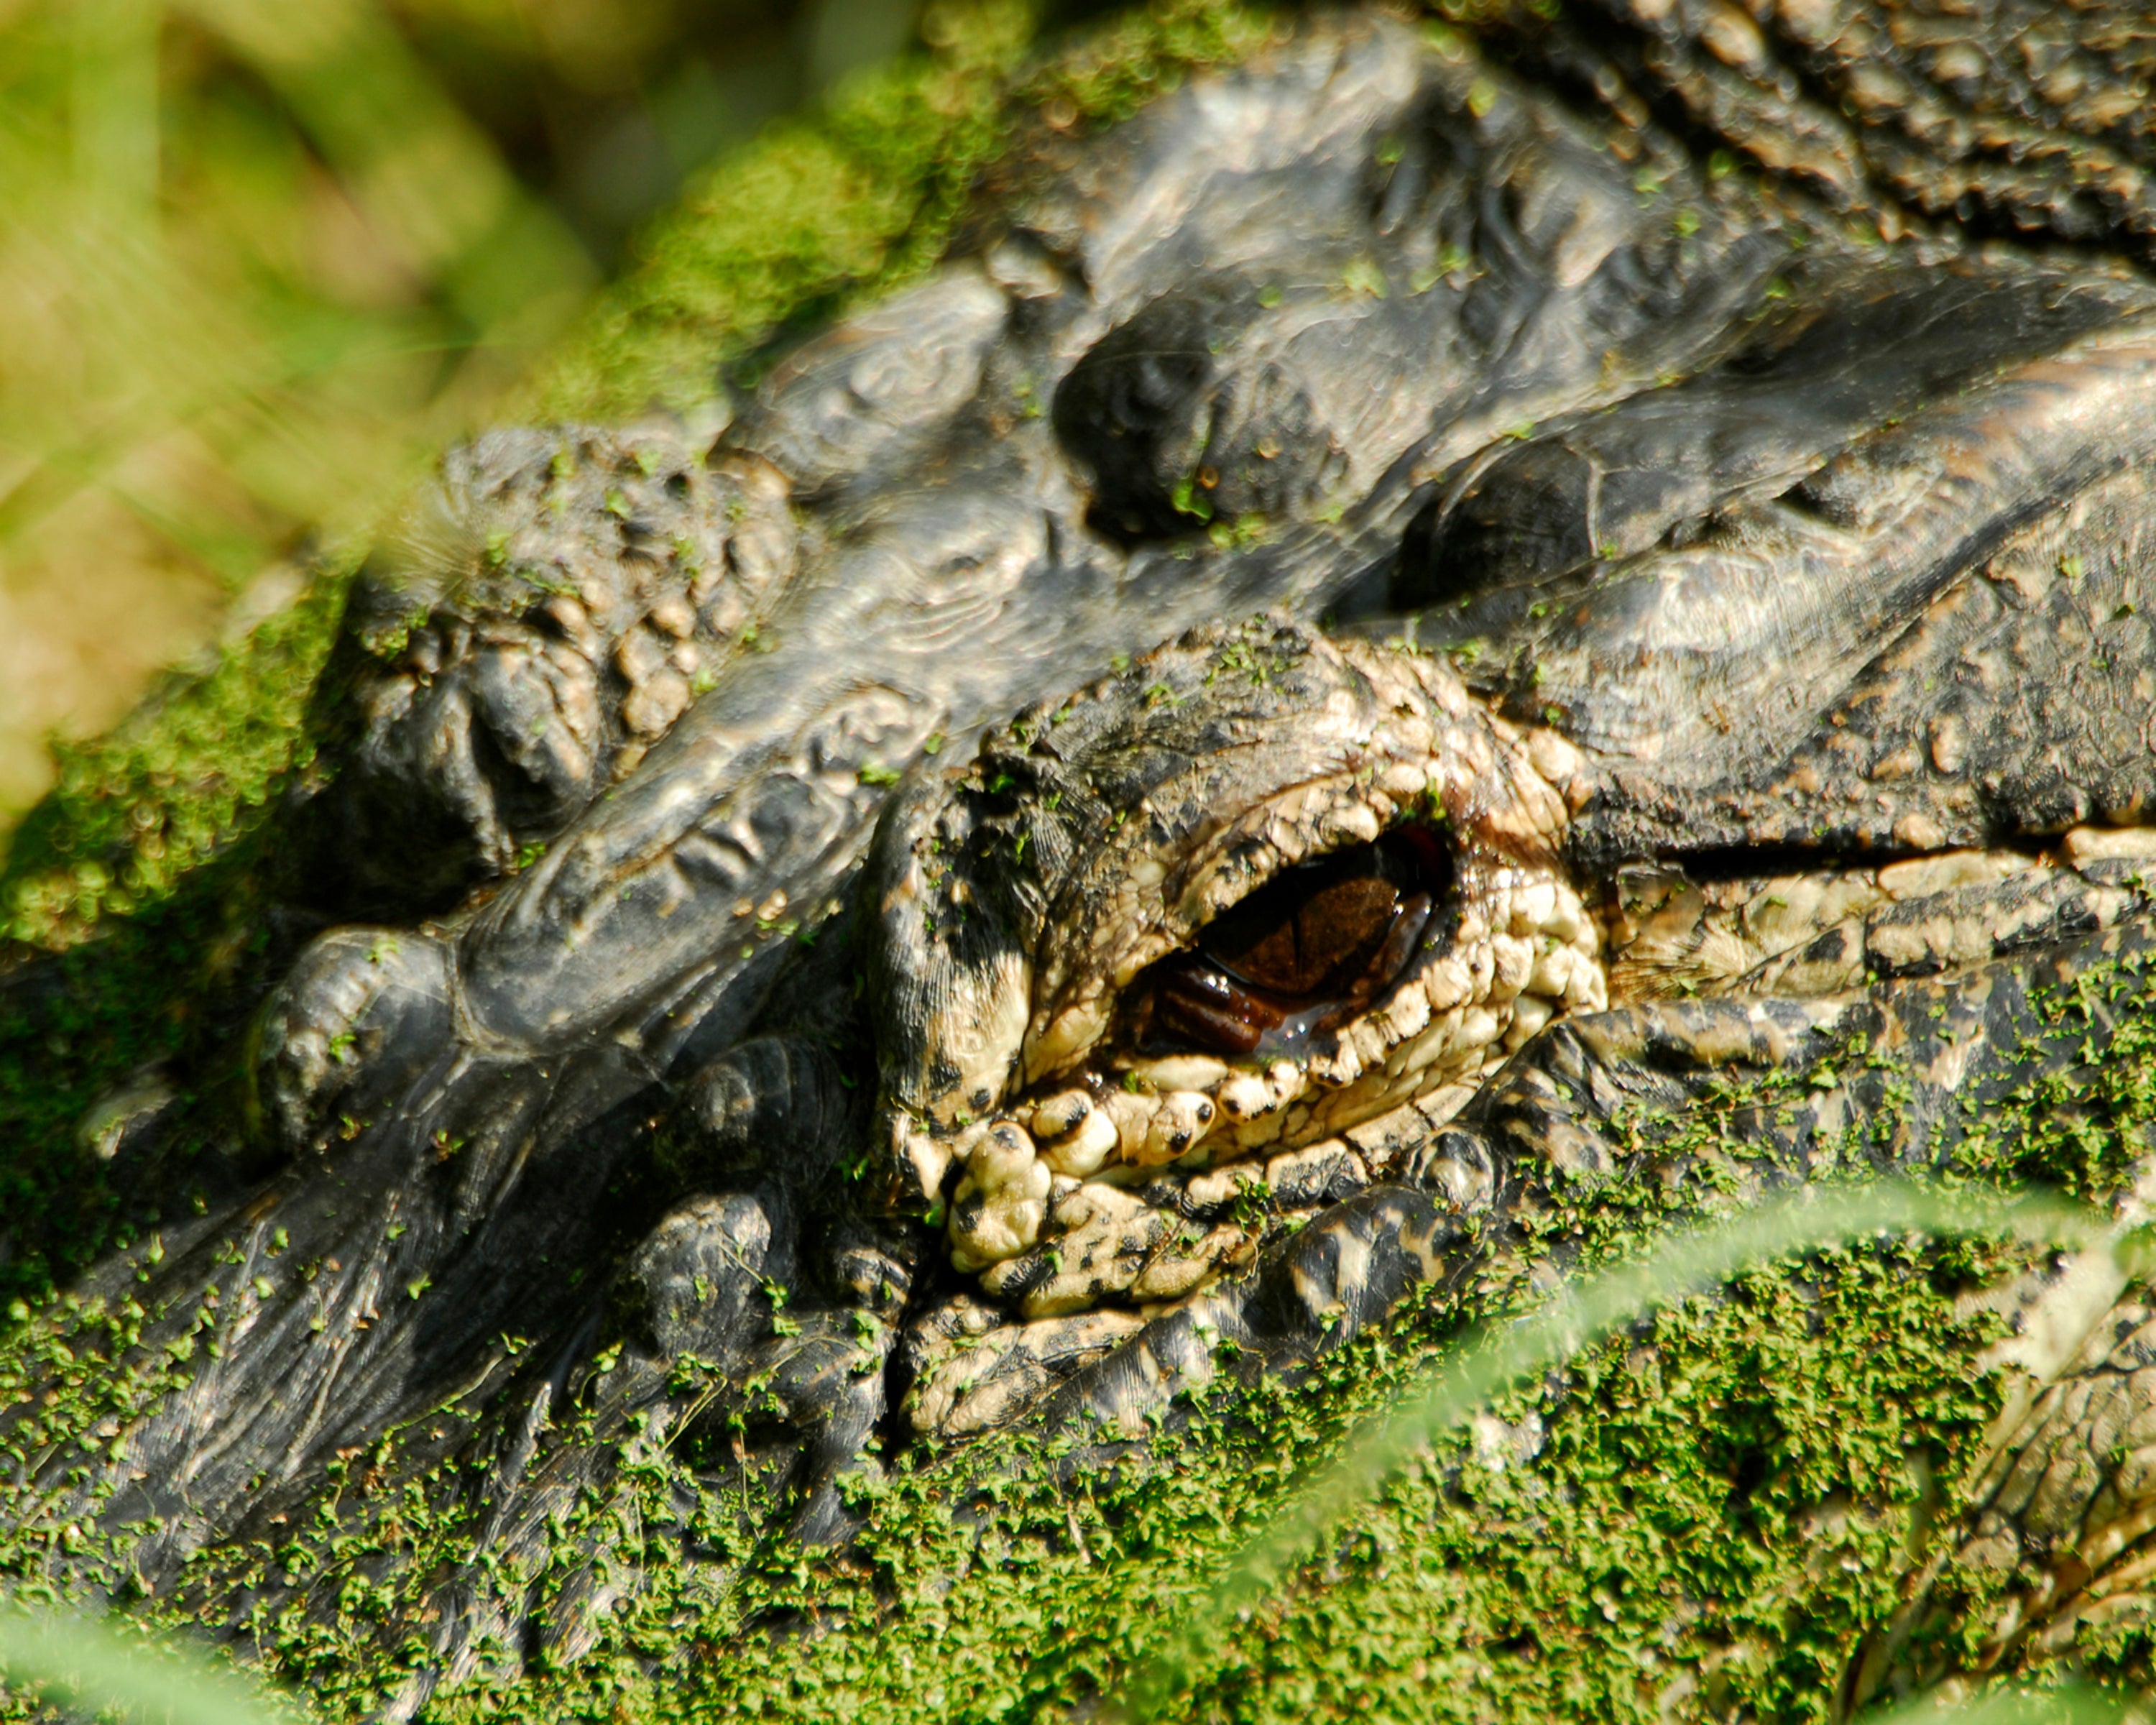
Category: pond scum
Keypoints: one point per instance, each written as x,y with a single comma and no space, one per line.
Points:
1688,1487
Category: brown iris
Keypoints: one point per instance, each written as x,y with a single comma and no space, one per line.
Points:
1308,951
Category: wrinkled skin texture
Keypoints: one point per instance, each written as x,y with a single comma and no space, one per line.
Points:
1796,685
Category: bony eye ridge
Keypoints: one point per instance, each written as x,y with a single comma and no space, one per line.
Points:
1306,953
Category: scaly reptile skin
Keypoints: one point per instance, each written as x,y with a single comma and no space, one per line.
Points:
1719,445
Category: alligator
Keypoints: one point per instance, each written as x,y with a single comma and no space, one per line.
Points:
1648,509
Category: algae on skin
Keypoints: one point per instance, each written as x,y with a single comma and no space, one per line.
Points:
1699,1518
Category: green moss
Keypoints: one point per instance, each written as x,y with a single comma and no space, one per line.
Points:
1706,1514
1721,1506
85,1020
1669,1525
191,770
61,1366
147,844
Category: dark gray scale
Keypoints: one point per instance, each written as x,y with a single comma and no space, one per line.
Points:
1850,352
1493,259
2016,705
541,614
1682,579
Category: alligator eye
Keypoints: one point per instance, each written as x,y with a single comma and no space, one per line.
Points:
1308,951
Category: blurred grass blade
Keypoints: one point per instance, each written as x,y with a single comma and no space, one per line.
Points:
434,185
1491,1361
2010,1704
256,265
112,102
85,1663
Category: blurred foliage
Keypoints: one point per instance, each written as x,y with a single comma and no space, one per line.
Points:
253,262
845,204
123,1671
607,106
258,259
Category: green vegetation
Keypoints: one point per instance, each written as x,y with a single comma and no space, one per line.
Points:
149,842
193,770
1379,1588
117,1671
256,265
1723,1494
818,213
